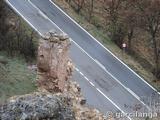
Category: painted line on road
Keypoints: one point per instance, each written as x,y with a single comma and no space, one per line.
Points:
86,78
128,89
103,46
91,83
77,69
112,102
40,12
103,94
81,73
45,16
98,63
102,66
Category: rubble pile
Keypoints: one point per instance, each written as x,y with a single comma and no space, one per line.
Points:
36,106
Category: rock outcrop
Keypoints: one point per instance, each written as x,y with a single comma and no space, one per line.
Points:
36,106
54,65
43,105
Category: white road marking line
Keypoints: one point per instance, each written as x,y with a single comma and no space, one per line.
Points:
103,46
46,17
102,66
40,12
112,102
86,78
139,99
91,83
129,90
99,64
77,69
81,73
133,94
105,96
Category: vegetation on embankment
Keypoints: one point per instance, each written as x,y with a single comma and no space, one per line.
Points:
18,46
15,77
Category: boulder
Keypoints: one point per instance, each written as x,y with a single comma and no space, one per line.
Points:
36,106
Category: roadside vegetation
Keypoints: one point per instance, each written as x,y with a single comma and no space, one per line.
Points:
18,46
114,22
16,37
15,77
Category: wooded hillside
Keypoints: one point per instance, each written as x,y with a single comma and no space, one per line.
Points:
135,22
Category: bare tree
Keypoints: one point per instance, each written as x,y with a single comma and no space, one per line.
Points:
3,24
79,4
91,9
130,21
113,9
150,21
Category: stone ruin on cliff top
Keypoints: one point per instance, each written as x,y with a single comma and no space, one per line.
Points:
54,64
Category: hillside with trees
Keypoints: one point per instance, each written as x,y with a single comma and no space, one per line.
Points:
134,22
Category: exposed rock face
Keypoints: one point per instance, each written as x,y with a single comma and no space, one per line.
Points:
54,65
36,106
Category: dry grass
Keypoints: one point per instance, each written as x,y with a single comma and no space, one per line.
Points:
15,78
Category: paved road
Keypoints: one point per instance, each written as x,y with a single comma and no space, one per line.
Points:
106,83
121,72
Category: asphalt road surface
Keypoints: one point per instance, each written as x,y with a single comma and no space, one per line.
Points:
106,82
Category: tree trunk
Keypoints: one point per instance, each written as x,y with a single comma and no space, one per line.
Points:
156,54
91,10
130,35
